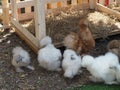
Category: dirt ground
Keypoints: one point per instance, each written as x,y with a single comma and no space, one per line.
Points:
40,79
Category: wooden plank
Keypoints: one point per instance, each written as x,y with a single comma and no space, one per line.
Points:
102,2
14,9
25,3
92,4
26,35
78,6
51,1
107,10
40,25
26,16
114,32
74,2
27,9
5,16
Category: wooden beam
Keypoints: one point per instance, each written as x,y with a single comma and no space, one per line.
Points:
25,3
92,4
51,1
14,9
26,16
114,32
40,25
26,36
102,2
5,15
108,10
74,2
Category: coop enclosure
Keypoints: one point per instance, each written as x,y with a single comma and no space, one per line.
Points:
17,11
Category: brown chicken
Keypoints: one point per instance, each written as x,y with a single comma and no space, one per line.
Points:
114,47
82,41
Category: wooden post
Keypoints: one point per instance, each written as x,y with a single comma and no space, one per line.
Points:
74,2
6,17
92,4
14,9
40,25
102,2
27,9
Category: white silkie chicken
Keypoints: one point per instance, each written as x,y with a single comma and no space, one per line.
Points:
71,63
20,59
99,67
49,57
117,72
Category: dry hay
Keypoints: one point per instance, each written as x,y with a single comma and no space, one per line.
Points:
115,6
60,24
101,24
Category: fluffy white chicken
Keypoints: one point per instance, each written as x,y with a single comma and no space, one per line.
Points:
20,59
49,57
117,72
71,63
99,67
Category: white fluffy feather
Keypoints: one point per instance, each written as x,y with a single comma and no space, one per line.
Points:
49,57
99,67
87,60
21,58
45,41
117,72
71,63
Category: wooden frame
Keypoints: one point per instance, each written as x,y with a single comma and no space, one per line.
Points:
5,15
39,16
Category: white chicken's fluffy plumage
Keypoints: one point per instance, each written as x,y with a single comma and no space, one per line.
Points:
21,58
117,72
49,57
45,41
99,67
71,63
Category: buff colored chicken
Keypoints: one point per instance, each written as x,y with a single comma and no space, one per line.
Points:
82,41
114,47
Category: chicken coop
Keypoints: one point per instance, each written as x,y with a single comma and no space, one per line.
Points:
57,17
